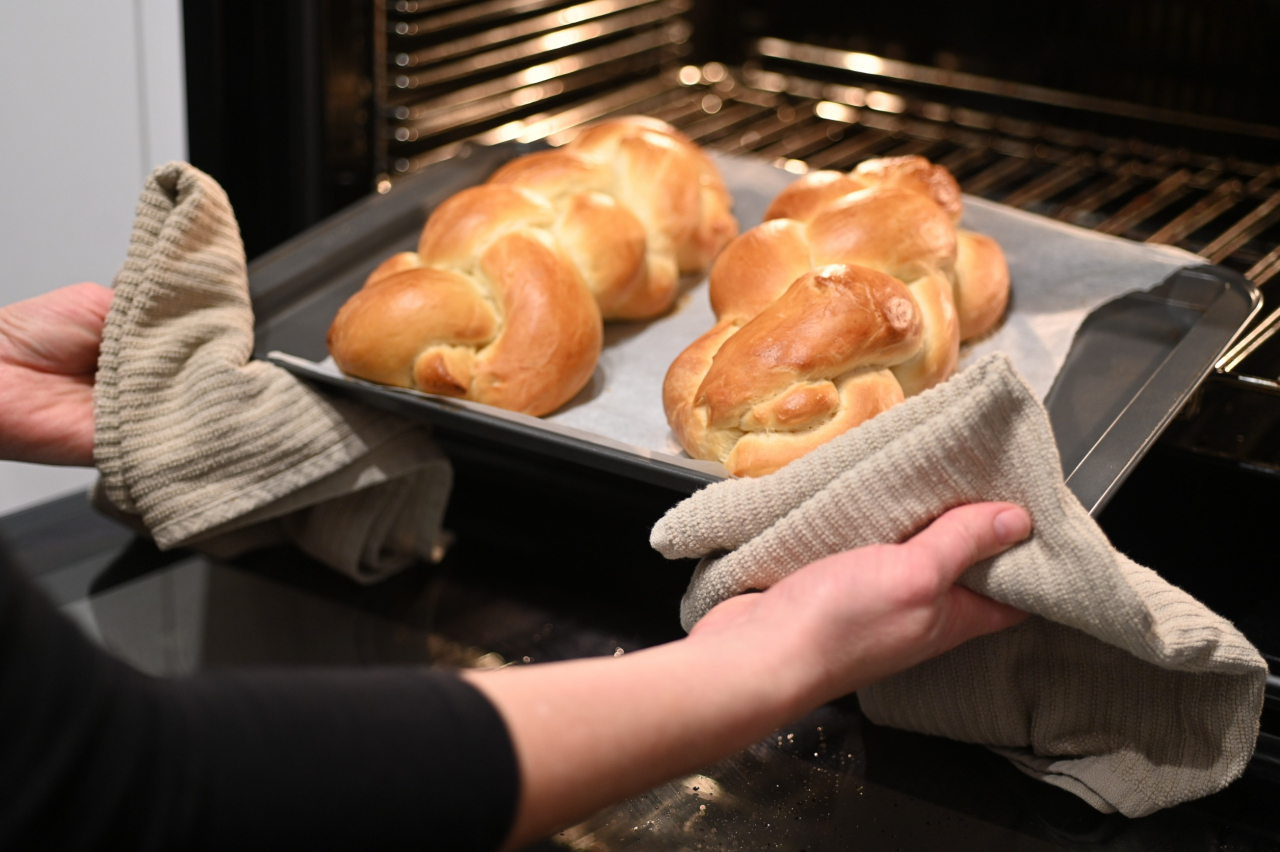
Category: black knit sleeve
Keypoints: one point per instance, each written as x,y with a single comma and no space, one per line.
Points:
94,755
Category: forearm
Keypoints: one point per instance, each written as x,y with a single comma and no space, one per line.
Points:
591,732
98,756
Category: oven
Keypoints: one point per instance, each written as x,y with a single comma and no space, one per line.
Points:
1154,121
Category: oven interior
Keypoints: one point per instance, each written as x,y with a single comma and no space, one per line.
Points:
1156,121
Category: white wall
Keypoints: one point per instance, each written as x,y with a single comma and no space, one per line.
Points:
92,97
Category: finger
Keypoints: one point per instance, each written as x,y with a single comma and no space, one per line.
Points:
970,615
93,297
969,534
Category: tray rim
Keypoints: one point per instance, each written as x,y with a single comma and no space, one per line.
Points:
564,442
1095,480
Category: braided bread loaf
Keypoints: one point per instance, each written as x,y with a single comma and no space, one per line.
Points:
503,300
853,294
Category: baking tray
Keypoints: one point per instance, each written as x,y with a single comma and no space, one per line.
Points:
1132,363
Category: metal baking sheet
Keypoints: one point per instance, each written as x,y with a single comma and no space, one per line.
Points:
1113,368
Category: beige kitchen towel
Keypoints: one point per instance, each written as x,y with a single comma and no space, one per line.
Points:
205,447
1120,688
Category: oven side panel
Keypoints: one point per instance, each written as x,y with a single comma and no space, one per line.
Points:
281,108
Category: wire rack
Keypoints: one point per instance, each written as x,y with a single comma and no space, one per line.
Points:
500,70
1226,211
455,70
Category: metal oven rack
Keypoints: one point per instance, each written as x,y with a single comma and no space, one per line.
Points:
454,70
555,67
1226,210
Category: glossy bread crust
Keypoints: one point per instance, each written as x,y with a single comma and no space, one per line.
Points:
503,300
853,294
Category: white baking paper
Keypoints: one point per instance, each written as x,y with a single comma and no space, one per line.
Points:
1059,274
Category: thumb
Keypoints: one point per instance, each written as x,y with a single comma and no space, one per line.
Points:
968,534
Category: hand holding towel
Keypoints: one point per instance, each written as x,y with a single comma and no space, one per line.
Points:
1120,688
205,447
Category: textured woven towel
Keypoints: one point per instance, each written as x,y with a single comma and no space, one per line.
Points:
205,447
1121,688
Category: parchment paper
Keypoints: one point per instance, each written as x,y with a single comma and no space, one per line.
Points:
1059,274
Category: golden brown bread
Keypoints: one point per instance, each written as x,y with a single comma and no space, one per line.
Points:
853,294
502,303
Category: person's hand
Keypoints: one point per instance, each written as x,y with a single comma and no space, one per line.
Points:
48,355
853,618
590,732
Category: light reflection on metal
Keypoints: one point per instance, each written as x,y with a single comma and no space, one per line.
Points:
863,63
495,36
404,165
1248,344
467,15
690,75
851,95
557,127
839,154
549,125
539,73
1257,220
885,102
503,133
537,130
836,112
424,114
533,47
1266,268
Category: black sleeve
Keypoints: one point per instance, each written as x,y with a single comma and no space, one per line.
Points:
95,755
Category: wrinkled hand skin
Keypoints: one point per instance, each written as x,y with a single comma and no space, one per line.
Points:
48,357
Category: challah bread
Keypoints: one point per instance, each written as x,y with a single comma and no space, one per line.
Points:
502,303
640,204
853,294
